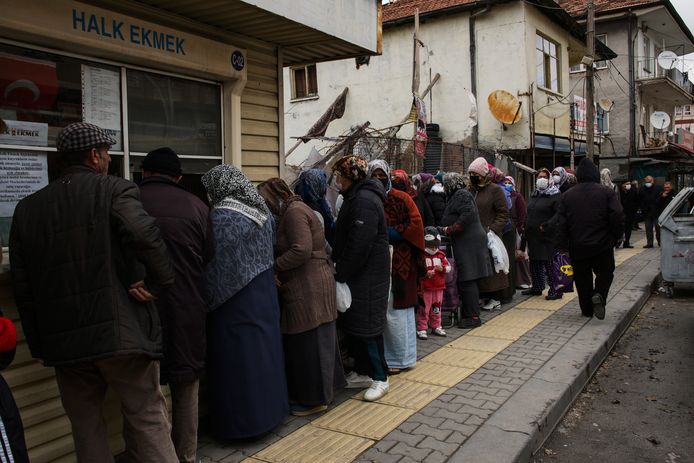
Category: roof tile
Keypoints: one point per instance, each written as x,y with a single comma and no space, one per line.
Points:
580,7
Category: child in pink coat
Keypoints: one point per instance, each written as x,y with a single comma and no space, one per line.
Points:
432,285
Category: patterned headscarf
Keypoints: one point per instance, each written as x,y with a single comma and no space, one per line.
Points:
551,189
563,176
312,187
606,178
496,175
452,182
277,195
352,167
401,181
229,188
422,178
383,165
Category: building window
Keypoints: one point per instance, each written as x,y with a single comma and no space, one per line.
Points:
304,81
678,111
647,65
603,120
547,62
602,38
687,110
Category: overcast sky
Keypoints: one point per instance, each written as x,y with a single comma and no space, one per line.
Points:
686,10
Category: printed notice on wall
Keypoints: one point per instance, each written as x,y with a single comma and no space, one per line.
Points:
101,101
21,174
24,133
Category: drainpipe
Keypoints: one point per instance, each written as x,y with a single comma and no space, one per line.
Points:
632,91
473,66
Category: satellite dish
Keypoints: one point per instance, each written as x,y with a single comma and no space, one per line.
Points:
504,107
606,104
660,120
667,59
555,110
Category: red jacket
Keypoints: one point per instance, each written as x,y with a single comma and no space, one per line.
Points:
437,280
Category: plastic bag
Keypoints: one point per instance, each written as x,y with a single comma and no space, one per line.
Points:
343,296
562,273
498,253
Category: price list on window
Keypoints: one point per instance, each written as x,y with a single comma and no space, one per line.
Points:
101,103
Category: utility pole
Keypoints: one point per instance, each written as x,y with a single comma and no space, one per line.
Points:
590,84
415,83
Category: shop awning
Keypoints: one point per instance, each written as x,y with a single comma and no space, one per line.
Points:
307,32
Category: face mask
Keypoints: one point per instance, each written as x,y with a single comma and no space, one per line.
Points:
509,187
557,179
648,184
475,180
627,187
542,183
438,188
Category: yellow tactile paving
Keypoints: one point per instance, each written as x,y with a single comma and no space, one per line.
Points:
346,431
473,342
440,375
365,419
463,358
409,394
310,444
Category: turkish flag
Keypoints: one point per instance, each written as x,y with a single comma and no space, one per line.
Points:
27,83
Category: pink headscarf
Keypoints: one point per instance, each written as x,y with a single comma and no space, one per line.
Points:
479,166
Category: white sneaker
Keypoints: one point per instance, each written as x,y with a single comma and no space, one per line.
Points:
357,381
422,334
491,304
377,390
439,331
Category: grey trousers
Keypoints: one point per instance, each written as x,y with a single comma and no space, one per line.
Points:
184,404
135,378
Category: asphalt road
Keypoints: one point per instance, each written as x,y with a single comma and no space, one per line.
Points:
639,407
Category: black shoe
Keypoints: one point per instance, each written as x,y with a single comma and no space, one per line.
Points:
627,246
531,292
554,297
598,306
648,246
467,323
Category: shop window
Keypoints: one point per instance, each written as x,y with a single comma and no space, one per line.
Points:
167,111
304,81
547,62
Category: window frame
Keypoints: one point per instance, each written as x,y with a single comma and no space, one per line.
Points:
546,64
647,54
308,95
580,67
687,110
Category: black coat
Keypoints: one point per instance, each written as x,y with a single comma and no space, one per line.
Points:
362,258
542,211
437,203
630,201
648,200
591,220
184,224
424,210
76,246
469,239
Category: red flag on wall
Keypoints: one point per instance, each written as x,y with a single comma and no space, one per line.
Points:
27,83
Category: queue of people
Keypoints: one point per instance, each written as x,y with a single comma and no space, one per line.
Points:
136,287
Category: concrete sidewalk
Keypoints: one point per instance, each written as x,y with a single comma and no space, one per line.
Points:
492,394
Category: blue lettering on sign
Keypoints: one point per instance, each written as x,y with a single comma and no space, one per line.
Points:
138,35
237,60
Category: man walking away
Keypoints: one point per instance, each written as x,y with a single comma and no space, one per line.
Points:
87,262
649,196
591,223
629,199
183,221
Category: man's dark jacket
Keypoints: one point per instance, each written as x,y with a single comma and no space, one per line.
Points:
648,198
362,258
76,246
591,219
184,223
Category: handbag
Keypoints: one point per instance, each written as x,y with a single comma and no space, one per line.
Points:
562,273
343,296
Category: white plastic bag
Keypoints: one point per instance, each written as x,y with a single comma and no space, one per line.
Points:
498,252
343,296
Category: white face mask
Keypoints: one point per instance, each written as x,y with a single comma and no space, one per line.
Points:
542,183
627,187
648,184
556,178
437,188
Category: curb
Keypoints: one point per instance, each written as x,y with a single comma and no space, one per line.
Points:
517,430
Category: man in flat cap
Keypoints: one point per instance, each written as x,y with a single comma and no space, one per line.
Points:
87,262
184,224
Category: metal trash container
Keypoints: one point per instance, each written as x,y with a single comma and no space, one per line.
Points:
677,242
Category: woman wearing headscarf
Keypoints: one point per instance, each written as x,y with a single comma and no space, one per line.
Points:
494,216
307,300
540,233
606,180
509,236
461,222
406,235
518,213
561,178
246,383
312,186
435,195
362,260
401,182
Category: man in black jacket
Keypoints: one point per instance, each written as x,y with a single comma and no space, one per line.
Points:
591,222
649,196
184,224
87,262
629,199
